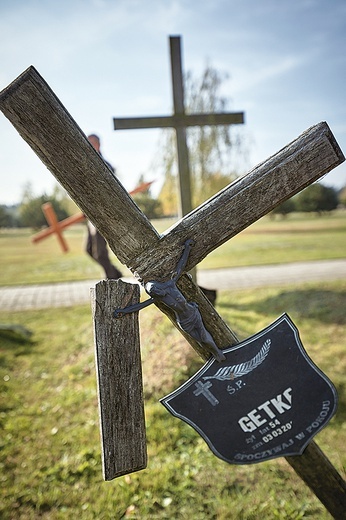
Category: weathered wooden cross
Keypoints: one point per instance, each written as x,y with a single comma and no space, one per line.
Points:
180,121
44,123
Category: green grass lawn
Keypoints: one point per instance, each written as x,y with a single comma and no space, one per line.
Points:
297,238
50,462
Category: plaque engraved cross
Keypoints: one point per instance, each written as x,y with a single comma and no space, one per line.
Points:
203,389
43,122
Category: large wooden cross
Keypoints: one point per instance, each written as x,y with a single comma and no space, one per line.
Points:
180,121
43,122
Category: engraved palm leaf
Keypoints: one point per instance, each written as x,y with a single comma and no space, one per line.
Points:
229,373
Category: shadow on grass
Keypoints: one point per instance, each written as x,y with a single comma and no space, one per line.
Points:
317,304
15,332
15,341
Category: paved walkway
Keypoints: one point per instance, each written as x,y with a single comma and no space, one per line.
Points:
72,293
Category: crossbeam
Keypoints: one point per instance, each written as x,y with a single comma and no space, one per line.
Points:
33,108
119,380
176,121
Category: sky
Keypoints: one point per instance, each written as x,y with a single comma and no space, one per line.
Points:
285,62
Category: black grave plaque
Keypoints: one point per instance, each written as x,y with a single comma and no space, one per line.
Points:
266,400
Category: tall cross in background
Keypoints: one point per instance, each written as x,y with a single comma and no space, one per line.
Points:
180,121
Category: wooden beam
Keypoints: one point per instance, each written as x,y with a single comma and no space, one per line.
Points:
243,202
176,121
179,110
331,489
54,227
119,379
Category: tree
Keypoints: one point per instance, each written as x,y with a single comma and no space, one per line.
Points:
145,201
30,208
5,220
31,214
151,207
60,195
168,196
285,208
317,198
342,196
215,152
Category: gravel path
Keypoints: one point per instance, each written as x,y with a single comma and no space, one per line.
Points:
66,294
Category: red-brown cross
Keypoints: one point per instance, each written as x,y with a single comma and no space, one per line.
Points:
56,227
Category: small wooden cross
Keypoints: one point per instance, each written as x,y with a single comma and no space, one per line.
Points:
180,121
33,108
55,227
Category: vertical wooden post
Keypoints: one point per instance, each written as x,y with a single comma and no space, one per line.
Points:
119,379
182,149
179,109
331,489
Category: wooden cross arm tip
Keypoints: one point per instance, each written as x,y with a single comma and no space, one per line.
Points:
309,157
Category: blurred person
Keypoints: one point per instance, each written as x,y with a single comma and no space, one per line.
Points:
96,245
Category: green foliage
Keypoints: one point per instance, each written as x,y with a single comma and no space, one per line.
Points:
50,456
9,216
29,211
285,208
31,214
168,196
4,217
317,198
151,207
342,197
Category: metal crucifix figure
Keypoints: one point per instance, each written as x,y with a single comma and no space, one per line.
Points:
186,313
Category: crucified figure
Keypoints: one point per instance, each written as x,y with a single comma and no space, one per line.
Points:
186,313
